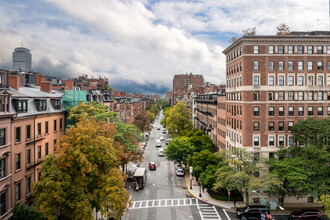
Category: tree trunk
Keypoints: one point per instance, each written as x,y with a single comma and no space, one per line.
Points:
247,198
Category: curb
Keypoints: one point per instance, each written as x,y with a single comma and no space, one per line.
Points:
203,200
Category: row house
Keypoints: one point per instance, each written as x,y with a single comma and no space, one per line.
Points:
32,121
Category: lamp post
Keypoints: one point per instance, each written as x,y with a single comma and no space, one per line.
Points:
190,171
263,199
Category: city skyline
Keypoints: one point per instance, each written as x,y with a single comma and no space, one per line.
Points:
135,43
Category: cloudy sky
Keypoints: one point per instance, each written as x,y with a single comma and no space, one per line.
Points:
141,44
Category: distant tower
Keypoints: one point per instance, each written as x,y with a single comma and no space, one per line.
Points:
22,59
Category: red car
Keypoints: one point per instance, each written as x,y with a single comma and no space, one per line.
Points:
152,166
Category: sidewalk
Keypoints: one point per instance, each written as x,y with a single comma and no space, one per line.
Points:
229,205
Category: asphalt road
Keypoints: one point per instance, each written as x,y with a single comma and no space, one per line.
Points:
165,196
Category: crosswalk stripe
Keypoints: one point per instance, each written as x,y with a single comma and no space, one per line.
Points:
162,203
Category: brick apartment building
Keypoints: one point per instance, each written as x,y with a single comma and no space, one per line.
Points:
272,82
182,82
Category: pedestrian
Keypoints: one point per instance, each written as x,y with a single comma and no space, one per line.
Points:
235,202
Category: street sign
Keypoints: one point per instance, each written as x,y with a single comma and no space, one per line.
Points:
190,170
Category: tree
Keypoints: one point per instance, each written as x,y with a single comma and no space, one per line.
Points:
207,177
242,173
154,109
283,29
179,149
178,119
22,211
200,140
325,200
143,120
165,104
233,39
166,115
83,176
250,31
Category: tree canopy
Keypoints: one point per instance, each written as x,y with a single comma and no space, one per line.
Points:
143,120
178,119
250,31
283,29
83,175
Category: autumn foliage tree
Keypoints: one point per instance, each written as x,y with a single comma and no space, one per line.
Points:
178,119
283,29
143,120
83,175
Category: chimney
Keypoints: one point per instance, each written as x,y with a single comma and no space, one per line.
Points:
14,82
38,78
46,86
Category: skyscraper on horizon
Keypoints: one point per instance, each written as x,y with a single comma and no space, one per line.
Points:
22,59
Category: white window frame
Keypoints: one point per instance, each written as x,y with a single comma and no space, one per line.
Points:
256,75
279,137
255,49
300,65
309,65
320,75
308,76
290,75
310,96
274,140
328,79
273,75
282,65
256,136
278,79
303,81
271,49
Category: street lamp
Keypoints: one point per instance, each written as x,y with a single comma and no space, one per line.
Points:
266,202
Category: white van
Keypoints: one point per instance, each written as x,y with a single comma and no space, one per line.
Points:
158,144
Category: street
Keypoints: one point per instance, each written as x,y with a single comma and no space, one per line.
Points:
165,195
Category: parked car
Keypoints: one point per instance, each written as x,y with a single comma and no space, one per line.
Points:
179,172
152,166
167,142
178,166
157,143
251,211
306,214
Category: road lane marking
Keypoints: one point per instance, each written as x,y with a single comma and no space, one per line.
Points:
226,214
163,203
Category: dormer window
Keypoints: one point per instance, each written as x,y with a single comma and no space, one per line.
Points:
22,106
41,105
57,104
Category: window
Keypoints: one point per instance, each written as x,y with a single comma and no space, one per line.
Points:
310,96
41,105
319,65
28,156
57,104
18,161
320,80
310,49
281,111
270,80
271,141
240,66
319,96
281,49
310,111
256,141
300,111
46,149
271,65
281,140
61,124
255,49
319,49
2,167
320,110
300,65
280,65
291,80
22,106
281,126
271,126
28,132
300,80
328,65
46,127
328,80
280,96
291,141
290,65
300,49
256,126
270,49
310,80
3,199
271,111
281,80
328,110
39,152
328,49
55,145
300,96
256,80
28,185
291,111
18,134
255,96
290,49
55,125
310,65
271,96
291,95
290,124
256,65
256,111
39,129
2,136
310,199
18,191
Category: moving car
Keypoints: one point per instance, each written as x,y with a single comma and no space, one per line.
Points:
152,166
158,128
306,214
161,138
157,143
164,131
251,211
179,172
161,153
167,142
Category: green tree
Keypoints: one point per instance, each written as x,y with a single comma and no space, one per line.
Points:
325,200
22,211
179,149
166,114
207,177
178,119
83,176
200,140
165,104
250,31
154,109
283,29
